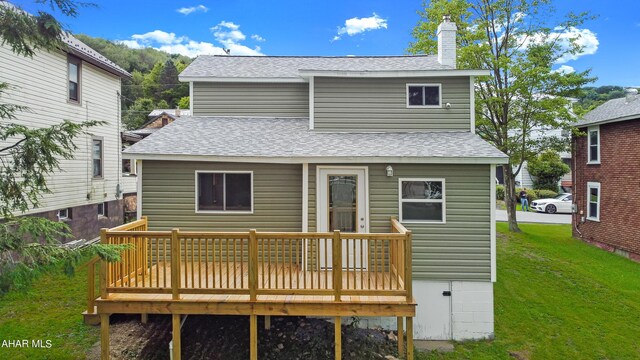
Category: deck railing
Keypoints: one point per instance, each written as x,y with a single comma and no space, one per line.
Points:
258,263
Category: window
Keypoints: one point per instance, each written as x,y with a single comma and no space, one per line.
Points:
224,191
593,134
96,155
422,200
593,201
103,209
423,95
74,78
64,214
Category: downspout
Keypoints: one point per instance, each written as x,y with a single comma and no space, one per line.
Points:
171,342
574,160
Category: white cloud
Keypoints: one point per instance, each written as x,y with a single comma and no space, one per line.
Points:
585,39
565,69
357,25
258,38
189,10
226,34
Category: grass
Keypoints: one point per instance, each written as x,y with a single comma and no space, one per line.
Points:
48,310
558,298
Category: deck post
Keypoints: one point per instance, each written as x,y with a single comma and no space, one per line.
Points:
400,335
253,265
175,352
338,337
144,318
337,265
104,336
175,264
409,338
253,337
267,322
408,270
103,267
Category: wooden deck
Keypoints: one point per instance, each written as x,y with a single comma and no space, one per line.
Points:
255,274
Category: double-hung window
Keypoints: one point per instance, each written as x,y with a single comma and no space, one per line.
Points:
424,96
593,201
97,153
593,134
74,66
422,200
224,191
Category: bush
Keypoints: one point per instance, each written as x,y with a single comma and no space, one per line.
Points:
531,195
499,192
547,169
545,194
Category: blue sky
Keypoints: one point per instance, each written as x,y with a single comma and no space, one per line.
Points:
330,27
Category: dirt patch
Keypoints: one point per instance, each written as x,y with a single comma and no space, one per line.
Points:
227,337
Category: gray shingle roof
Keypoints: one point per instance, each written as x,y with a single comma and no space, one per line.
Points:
288,66
82,50
613,110
291,139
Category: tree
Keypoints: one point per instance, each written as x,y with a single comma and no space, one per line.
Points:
184,102
167,81
514,40
547,170
136,115
28,156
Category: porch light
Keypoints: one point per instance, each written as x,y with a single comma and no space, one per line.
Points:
389,171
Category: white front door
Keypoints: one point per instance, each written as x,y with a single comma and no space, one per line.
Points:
342,205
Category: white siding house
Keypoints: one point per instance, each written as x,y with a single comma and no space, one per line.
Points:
45,84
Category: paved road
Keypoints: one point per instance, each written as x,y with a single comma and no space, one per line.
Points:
535,217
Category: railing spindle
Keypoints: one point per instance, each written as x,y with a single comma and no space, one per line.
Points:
175,264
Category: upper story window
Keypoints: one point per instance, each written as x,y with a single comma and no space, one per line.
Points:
97,154
74,65
226,192
422,200
424,95
593,134
593,201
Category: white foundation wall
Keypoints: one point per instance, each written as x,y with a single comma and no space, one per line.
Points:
467,314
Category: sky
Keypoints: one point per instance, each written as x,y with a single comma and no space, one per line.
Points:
335,27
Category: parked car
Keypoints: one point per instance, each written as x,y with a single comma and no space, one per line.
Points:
559,204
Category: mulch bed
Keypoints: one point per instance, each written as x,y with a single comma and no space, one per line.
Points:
227,337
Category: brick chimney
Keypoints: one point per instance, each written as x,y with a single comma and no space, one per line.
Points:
447,42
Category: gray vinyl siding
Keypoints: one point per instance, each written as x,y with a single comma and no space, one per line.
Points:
168,197
381,105
250,99
457,250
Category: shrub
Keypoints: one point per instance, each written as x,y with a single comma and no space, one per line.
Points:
547,169
499,192
531,195
545,194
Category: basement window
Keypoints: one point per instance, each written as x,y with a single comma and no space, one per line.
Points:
422,200
103,210
424,95
224,192
64,214
593,201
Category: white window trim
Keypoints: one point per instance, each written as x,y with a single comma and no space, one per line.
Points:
589,130
593,185
443,201
104,208
78,62
66,217
222,212
425,106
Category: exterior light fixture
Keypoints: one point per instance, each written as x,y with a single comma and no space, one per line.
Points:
389,170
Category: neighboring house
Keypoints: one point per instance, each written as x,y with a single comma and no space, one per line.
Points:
77,84
606,175
157,119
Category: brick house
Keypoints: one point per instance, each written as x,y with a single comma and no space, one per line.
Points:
606,174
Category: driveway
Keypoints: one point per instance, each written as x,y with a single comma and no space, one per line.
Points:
535,217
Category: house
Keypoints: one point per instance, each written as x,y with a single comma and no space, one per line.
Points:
75,83
157,119
606,174
351,176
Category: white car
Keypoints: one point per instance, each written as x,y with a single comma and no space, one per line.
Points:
558,204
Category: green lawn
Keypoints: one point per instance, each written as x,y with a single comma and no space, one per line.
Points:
49,310
558,298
